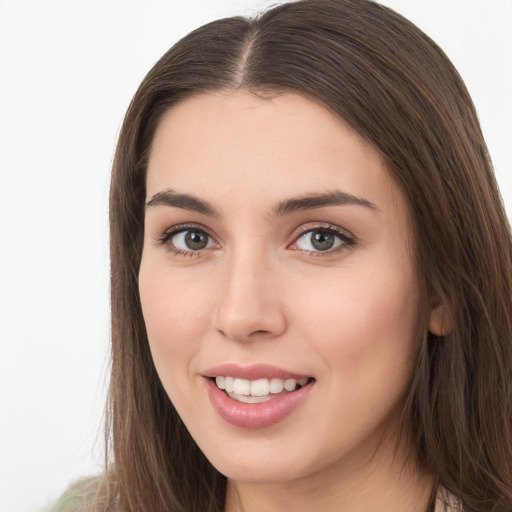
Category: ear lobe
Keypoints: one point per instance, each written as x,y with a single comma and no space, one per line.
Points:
440,321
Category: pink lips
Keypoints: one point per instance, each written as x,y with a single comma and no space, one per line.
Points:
252,372
259,415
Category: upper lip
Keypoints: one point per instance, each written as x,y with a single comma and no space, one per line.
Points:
252,372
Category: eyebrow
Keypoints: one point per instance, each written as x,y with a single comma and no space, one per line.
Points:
185,201
301,203
312,201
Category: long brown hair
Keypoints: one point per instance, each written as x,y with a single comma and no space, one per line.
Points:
398,90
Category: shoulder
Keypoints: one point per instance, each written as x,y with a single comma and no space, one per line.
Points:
78,497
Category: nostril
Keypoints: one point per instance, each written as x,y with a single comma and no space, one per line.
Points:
258,332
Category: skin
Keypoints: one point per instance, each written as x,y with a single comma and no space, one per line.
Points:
261,293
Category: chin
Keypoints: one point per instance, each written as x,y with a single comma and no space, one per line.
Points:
268,459
259,472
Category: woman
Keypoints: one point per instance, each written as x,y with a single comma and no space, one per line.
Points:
311,276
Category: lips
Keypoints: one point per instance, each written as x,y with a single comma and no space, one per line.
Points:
255,396
253,372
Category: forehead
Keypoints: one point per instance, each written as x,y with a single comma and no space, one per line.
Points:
235,143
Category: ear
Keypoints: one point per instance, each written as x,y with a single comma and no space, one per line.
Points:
440,320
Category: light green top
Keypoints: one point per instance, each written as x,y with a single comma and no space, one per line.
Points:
73,499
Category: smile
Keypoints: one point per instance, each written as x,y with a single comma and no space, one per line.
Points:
256,396
260,390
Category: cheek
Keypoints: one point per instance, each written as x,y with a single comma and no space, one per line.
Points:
365,335
365,324
174,313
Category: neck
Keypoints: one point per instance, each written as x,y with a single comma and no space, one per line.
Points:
385,482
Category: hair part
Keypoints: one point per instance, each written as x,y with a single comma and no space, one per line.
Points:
397,89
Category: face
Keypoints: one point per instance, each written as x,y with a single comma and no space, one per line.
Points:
277,285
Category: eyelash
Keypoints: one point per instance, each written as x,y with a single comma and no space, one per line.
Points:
165,239
347,240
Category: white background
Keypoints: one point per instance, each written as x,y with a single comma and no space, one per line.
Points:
67,72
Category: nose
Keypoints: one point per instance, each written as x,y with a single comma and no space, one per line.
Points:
249,305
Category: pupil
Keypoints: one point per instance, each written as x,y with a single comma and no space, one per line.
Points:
322,240
196,240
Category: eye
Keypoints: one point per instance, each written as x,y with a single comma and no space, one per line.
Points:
187,241
318,240
322,240
191,240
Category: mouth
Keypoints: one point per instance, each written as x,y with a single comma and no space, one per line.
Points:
256,396
259,390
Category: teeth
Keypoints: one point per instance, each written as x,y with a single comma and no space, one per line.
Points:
242,387
276,385
229,384
290,384
260,387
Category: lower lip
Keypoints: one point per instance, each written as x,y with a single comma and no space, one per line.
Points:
264,414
